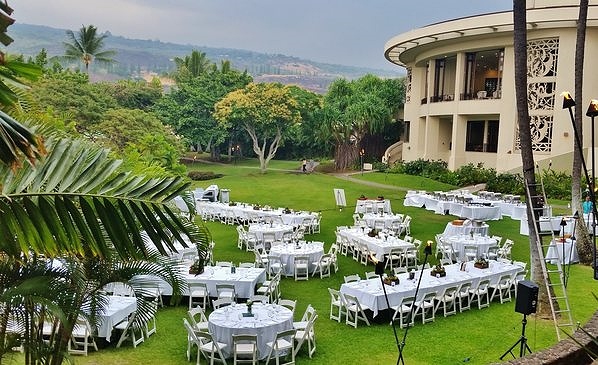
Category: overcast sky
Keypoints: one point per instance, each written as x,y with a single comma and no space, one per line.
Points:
348,32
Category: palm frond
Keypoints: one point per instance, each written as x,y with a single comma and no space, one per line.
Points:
75,200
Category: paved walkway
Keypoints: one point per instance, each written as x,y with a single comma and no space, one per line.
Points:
347,176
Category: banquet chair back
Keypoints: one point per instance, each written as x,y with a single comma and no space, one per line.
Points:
308,335
245,349
394,258
81,338
149,324
355,310
282,346
333,252
448,299
323,266
287,237
221,302
492,252
502,288
337,305
224,290
275,266
470,252
264,299
131,330
289,304
209,347
301,267
402,312
308,314
424,306
464,297
198,295
269,238
197,319
352,278
224,263
122,289
480,294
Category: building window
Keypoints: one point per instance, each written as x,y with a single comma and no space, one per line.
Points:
483,74
444,79
406,130
482,136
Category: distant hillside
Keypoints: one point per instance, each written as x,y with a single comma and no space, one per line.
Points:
137,57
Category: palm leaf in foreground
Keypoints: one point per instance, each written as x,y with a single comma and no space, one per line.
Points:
76,201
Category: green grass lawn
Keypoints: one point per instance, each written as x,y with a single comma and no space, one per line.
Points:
473,337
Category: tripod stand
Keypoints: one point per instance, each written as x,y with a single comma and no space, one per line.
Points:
522,342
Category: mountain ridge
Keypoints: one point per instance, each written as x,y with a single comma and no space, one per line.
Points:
138,56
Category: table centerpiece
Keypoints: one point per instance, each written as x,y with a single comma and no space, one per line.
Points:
438,270
481,263
389,280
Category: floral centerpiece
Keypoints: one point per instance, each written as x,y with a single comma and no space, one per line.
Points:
249,304
362,197
380,197
197,267
373,233
481,263
286,211
391,279
438,270
232,204
257,207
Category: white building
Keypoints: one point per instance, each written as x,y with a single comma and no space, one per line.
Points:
460,92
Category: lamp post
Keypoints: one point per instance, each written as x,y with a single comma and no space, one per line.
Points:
361,153
592,112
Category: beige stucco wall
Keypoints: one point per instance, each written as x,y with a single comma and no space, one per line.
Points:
437,125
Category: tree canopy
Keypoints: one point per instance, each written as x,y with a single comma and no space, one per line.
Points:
266,111
87,46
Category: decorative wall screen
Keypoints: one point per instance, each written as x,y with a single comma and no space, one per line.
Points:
542,60
408,86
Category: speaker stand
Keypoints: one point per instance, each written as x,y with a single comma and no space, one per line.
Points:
522,342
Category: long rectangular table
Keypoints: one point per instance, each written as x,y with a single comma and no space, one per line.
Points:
370,293
377,245
244,280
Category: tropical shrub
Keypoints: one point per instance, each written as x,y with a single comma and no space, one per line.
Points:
203,175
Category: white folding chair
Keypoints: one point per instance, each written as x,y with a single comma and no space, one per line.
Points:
352,278
308,335
284,343
336,305
301,267
129,328
288,303
355,310
402,312
447,298
245,349
81,338
323,266
480,294
502,288
424,306
198,295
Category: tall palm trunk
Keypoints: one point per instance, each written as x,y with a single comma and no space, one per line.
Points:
527,156
584,242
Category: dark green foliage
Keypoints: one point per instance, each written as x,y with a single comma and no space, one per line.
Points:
506,183
557,184
203,175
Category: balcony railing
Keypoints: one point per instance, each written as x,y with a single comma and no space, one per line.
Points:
481,147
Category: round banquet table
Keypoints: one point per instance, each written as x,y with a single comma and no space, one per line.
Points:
465,229
267,321
288,252
460,241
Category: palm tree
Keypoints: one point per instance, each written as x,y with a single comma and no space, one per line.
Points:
87,46
192,66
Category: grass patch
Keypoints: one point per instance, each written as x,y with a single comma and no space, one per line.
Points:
475,337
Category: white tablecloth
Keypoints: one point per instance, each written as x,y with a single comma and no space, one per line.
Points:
548,224
376,244
244,279
278,230
118,309
360,206
288,252
460,241
267,321
370,293
454,230
388,219
555,252
246,212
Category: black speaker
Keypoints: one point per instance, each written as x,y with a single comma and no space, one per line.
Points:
527,297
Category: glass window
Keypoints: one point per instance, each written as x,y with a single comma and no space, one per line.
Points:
475,136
